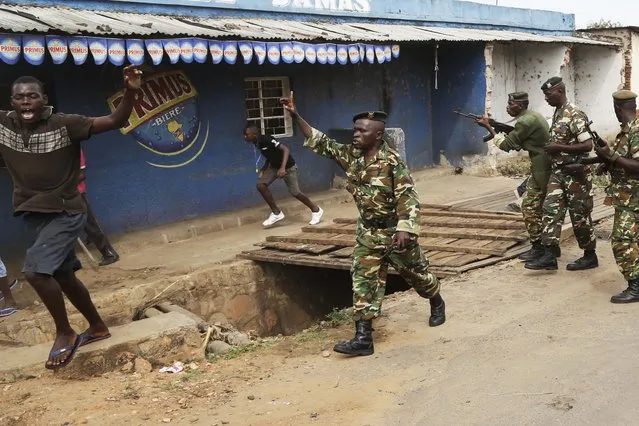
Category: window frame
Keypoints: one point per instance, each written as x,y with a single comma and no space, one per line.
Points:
286,88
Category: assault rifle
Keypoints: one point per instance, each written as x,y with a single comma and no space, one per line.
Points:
577,168
496,125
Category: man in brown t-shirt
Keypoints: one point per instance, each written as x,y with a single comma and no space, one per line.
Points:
41,150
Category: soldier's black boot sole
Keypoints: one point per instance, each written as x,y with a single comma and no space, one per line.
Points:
348,349
584,263
362,343
629,295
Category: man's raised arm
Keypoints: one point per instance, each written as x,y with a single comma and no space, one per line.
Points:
119,117
316,141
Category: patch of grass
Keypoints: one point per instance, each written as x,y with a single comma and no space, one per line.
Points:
190,375
236,351
310,336
514,167
340,317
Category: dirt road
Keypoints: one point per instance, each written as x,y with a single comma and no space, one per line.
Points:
519,347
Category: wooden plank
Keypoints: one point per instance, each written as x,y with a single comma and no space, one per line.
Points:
510,254
316,249
317,261
480,225
346,252
475,215
453,207
345,241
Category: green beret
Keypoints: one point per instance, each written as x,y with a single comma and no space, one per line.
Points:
371,115
518,97
624,96
551,82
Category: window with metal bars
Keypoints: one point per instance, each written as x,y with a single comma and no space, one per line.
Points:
262,98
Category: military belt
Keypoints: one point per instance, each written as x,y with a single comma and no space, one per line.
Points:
379,223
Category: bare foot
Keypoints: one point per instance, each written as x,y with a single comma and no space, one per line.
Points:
62,351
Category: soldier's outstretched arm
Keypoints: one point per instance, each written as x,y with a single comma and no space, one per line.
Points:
315,140
515,139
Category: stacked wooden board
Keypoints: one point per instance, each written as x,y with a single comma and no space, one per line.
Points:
454,239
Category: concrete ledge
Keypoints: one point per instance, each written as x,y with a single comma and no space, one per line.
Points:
159,340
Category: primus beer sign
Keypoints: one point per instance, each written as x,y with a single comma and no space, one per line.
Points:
165,119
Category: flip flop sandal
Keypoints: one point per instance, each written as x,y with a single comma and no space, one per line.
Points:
5,312
90,338
55,354
11,287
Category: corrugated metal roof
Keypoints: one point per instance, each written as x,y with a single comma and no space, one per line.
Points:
44,19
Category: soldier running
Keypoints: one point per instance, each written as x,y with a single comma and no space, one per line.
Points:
530,134
622,162
388,226
569,188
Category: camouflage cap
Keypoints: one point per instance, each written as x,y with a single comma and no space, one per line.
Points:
621,96
551,82
518,97
371,115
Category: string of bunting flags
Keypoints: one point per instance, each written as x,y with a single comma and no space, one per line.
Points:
117,51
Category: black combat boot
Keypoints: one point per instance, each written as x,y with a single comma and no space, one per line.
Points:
588,261
109,256
437,311
629,295
548,261
362,343
535,252
556,250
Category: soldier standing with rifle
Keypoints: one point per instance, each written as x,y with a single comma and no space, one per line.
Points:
622,162
530,134
570,185
388,226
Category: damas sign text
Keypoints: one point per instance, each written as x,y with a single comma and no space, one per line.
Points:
361,6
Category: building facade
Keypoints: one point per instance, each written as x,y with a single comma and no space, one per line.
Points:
212,65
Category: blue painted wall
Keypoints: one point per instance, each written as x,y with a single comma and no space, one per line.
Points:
129,194
427,12
461,85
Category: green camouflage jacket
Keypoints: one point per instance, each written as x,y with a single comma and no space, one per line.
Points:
623,188
569,126
383,189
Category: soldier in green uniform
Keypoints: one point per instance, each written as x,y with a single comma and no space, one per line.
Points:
388,225
568,189
622,162
530,134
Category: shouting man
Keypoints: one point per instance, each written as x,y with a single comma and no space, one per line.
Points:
388,225
530,134
279,164
41,150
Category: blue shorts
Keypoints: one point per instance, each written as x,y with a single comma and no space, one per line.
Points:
56,235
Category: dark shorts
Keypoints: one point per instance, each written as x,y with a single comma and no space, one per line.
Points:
269,176
56,235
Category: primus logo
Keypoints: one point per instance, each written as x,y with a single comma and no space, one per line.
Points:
160,93
362,6
165,119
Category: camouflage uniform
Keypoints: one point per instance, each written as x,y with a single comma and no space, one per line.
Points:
387,202
569,192
623,194
530,134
